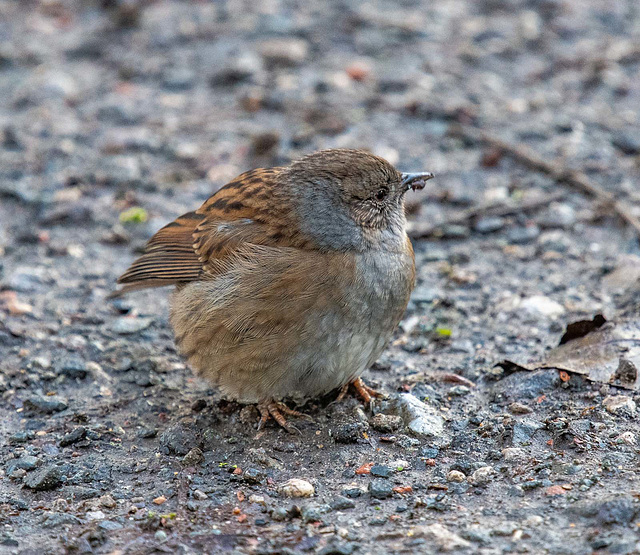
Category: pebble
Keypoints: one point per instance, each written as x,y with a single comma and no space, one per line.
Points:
482,476
178,439
110,525
47,478
541,306
46,405
127,325
253,476
627,142
26,280
558,215
380,488
25,462
456,476
296,487
352,492
341,503
71,367
620,405
524,429
193,458
489,225
511,454
381,471
200,495
422,419
441,537
523,235
348,433
284,52
160,536
107,501
519,408
76,435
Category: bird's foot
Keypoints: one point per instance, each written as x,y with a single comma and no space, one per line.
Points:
275,410
362,390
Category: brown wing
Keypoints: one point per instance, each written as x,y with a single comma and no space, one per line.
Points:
198,244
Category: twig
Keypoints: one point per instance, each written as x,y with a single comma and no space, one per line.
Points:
560,173
420,230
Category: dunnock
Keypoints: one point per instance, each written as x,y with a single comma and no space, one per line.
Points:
289,281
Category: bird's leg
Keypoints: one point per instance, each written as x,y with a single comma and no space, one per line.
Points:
365,392
274,409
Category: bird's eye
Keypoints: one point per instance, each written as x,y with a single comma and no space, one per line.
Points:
382,194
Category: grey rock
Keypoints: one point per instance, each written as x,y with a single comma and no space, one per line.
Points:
526,385
348,433
381,471
127,326
26,462
422,419
341,503
71,367
489,225
558,215
193,457
26,280
46,405
46,478
55,520
380,488
523,235
627,142
179,440
524,429
73,437
386,422
110,525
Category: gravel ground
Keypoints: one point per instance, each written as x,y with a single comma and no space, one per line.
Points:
108,444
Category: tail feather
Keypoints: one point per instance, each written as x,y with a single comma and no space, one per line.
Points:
170,258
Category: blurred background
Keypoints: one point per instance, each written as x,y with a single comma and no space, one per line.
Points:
131,96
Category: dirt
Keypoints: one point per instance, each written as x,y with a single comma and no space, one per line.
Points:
109,444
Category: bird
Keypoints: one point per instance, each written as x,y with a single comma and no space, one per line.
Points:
288,281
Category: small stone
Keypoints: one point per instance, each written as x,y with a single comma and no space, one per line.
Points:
347,433
482,476
511,454
524,429
456,476
126,325
107,501
72,368
200,495
380,488
279,514
160,500
110,525
422,419
284,52
523,235
459,390
386,422
258,499
253,476
441,537
627,142
352,493
17,474
627,437
73,437
489,225
296,487
160,536
519,408
178,439
26,462
193,458
558,215
46,405
539,305
46,478
620,405
381,471
342,503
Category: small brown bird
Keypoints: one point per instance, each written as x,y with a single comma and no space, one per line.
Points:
289,280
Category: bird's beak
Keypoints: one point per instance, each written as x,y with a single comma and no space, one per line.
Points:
415,180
